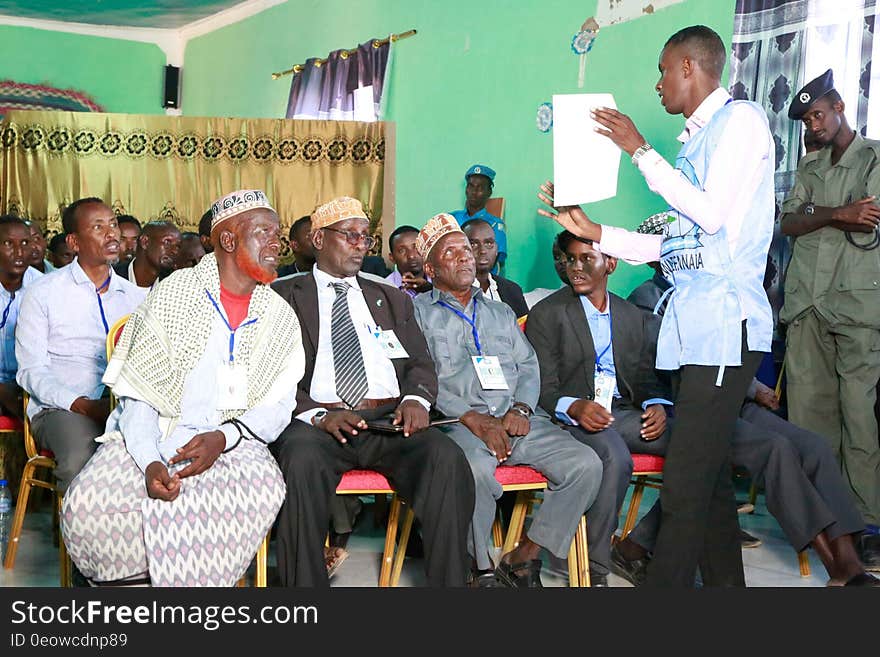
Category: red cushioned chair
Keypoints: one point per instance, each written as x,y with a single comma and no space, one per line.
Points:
647,471
526,482
36,459
369,482
12,428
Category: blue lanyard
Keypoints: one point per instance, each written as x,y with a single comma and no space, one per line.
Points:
231,330
6,311
472,320
100,303
610,338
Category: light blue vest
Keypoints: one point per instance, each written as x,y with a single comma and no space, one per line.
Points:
714,289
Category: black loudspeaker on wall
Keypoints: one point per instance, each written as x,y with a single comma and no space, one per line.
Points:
172,87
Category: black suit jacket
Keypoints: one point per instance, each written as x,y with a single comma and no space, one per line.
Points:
512,294
375,265
391,309
558,330
121,268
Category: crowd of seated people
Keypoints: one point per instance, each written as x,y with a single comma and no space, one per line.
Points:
305,356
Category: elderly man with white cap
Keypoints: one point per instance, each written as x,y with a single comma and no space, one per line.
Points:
365,359
183,488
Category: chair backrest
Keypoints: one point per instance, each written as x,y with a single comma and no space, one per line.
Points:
495,206
112,338
30,445
114,333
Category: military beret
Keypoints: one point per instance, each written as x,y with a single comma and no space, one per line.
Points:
809,94
482,170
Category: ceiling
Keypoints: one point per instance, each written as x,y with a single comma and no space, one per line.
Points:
171,14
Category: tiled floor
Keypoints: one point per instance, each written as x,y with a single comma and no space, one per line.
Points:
772,564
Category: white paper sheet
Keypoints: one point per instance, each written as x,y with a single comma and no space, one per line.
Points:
585,163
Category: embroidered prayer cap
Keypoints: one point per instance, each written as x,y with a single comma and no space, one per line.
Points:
237,202
437,227
339,209
809,94
482,170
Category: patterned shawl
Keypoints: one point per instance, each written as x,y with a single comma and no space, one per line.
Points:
167,335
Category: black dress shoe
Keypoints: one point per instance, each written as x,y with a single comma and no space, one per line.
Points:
869,551
746,540
632,570
598,581
863,579
486,580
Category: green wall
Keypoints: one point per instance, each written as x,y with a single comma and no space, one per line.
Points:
122,76
465,90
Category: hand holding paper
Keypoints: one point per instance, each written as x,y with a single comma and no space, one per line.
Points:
618,127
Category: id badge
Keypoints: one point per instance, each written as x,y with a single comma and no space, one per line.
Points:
489,372
603,387
390,344
233,387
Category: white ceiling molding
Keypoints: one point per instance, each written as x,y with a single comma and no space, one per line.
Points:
172,42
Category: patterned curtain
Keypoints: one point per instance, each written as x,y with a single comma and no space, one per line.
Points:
173,168
347,86
778,46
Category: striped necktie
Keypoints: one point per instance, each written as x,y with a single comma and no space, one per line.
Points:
348,361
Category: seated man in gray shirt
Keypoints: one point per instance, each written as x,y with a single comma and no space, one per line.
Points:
60,341
488,377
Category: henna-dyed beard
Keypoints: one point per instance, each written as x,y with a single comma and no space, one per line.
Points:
250,267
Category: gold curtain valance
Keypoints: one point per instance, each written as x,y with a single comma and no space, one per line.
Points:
173,168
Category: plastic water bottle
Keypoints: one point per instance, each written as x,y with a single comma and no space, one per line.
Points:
5,516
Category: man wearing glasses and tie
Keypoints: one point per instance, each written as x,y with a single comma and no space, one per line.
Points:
365,358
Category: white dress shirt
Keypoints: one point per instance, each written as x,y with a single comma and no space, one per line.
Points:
381,376
61,340
725,195
492,292
139,422
10,302
133,279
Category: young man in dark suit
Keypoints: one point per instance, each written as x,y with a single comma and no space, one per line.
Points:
587,339
365,358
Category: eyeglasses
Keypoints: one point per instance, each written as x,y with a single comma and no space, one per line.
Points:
354,238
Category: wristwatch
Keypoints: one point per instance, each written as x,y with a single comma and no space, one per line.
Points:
810,208
641,150
522,408
317,417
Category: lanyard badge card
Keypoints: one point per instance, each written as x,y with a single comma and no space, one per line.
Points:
488,368
603,389
489,372
389,342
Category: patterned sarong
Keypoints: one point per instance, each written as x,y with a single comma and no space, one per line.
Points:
207,536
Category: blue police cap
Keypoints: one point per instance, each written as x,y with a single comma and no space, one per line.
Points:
809,94
482,170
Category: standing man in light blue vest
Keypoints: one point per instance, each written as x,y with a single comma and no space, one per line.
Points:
718,321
